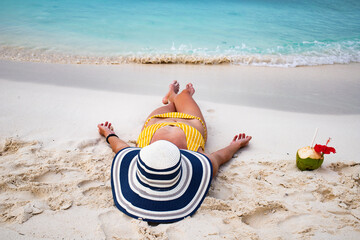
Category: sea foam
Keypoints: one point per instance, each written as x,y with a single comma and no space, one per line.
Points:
304,54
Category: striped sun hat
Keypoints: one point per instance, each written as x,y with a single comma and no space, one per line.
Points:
160,182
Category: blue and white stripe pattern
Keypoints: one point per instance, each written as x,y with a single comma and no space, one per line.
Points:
162,180
165,195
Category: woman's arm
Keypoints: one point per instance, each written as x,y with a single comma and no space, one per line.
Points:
116,144
223,155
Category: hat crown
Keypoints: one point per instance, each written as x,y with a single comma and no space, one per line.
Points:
159,165
160,155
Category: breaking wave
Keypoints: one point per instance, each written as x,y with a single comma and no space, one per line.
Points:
303,54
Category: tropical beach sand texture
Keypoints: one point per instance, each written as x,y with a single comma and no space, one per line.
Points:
55,168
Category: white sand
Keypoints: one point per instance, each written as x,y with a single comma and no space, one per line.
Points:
55,168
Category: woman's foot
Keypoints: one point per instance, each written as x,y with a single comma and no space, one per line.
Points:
241,140
173,90
105,129
190,88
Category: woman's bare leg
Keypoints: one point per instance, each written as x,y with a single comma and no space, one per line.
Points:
185,103
182,102
173,90
164,109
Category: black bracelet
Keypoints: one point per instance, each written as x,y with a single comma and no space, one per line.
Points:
110,135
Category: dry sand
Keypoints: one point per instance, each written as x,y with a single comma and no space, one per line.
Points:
55,168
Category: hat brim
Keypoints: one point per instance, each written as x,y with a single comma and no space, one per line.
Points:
141,202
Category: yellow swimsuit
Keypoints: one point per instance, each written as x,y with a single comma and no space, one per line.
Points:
194,139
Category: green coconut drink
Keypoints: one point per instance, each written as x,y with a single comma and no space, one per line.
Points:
308,159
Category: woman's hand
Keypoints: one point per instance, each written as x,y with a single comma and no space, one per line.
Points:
105,129
116,143
240,140
223,155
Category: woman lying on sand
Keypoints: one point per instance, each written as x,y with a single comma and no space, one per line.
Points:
166,177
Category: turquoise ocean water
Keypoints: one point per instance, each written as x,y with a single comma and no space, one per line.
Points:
249,32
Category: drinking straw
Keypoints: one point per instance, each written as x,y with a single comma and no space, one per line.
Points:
313,140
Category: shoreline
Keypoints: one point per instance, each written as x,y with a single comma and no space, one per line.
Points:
45,55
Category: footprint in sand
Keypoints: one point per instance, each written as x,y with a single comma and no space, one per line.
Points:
299,226
86,184
88,143
265,215
351,170
114,224
97,195
325,193
11,146
66,175
98,192
94,188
